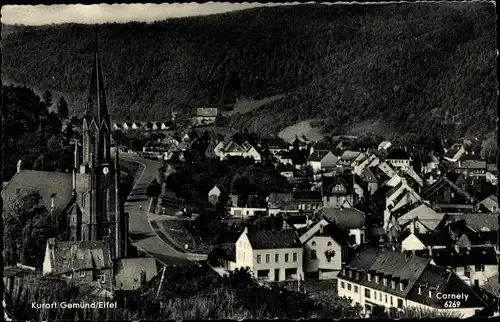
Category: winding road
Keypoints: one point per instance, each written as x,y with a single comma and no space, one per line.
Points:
141,234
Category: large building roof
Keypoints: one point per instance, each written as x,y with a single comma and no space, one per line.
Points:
273,239
48,184
345,218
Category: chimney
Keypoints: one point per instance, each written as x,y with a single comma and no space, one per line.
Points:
412,226
245,231
19,166
429,248
320,229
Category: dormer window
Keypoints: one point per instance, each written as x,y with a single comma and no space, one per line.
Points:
369,277
385,281
313,243
377,279
351,274
401,286
393,284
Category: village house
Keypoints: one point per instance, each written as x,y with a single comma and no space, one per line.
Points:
131,274
82,261
271,255
117,126
471,165
214,195
206,115
231,148
276,145
399,158
322,160
424,212
351,220
490,292
448,197
306,200
127,126
350,159
374,178
430,163
474,265
413,240
387,168
340,190
326,247
490,203
398,195
370,160
302,142
454,153
384,145
395,280
137,125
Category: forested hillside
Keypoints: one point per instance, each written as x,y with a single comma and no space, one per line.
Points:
427,68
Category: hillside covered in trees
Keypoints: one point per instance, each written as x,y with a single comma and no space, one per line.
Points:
426,68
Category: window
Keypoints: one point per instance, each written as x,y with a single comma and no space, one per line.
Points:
342,285
102,277
467,274
277,258
385,281
377,279
268,258
479,268
258,259
400,303
369,277
313,255
393,284
391,301
82,273
294,257
476,283
313,243
380,296
69,275
367,293
385,298
355,289
348,286
286,258
401,287
329,244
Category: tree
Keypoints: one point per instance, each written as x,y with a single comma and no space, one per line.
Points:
154,189
47,99
62,109
489,149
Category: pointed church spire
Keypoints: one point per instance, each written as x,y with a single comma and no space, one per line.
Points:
97,110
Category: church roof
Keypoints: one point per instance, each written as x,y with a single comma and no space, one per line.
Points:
48,184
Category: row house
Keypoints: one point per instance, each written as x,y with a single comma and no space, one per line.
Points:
307,200
399,195
399,158
270,255
395,280
374,178
231,148
449,197
351,220
370,160
149,126
471,165
474,265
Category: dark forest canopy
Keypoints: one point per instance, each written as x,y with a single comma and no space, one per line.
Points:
426,68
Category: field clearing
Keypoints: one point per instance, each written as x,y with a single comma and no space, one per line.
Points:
247,105
299,129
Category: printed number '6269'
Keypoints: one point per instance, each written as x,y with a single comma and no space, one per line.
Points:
452,304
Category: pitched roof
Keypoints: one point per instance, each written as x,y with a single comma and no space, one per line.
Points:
397,154
452,152
335,232
329,182
128,272
346,218
300,195
413,270
435,239
486,255
430,190
478,238
442,280
71,256
492,286
273,239
48,184
318,155
478,221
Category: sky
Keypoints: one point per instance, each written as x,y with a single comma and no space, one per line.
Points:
102,13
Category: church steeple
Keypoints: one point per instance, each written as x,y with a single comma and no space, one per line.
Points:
97,124
97,109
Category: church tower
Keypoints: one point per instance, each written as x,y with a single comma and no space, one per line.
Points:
97,184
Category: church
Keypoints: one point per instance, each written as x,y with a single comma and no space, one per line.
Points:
96,226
